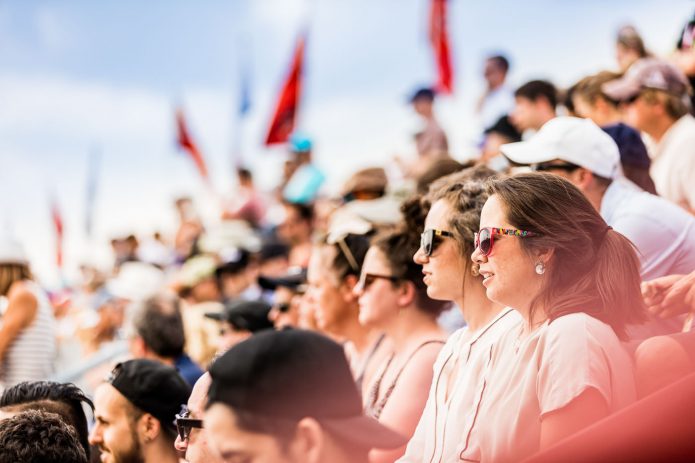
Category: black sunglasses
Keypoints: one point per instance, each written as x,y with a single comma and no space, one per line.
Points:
429,241
367,279
283,307
184,424
546,166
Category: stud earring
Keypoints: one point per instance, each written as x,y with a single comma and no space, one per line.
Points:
540,268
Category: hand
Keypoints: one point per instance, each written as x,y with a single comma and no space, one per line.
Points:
670,295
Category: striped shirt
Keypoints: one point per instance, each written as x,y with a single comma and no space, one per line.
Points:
30,357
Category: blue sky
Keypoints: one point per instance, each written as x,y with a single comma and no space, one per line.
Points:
83,76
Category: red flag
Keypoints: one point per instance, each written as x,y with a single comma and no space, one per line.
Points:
186,143
57,219
439,38
285,115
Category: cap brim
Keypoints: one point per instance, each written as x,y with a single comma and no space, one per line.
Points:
527,152
217,316
364,432
621,89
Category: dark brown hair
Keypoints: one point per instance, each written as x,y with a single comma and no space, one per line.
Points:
593,269
398,245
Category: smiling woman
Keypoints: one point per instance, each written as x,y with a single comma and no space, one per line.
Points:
576,283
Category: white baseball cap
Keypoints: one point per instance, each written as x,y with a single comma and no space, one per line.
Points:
571,139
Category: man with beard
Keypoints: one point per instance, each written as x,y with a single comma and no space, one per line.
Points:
135,410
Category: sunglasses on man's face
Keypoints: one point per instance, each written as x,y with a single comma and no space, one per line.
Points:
282,307
430,239
548,166
184,424
484,239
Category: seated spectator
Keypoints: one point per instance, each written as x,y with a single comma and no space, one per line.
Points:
431,141
273,259
544,250
288,396
295,230
287,292
535,103
333,272
634,158
590,101
159,335
578,150
27,332
495,136
454,204
247,203
192,439
239,320
36,436
236,275
655,95
65,400
135,412
393,299
629,47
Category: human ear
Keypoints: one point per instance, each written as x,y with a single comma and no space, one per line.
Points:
348,287
406,294
149,427
308,444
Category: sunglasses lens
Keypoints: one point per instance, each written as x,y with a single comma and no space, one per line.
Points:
426,242
485,241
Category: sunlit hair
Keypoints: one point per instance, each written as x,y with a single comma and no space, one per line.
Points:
348,255
9,273
398,245
589,88
593,269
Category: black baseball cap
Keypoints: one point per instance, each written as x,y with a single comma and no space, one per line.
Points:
152,387
504,127
293,374
294,279
244,315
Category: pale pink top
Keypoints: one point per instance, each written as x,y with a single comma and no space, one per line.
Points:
543,372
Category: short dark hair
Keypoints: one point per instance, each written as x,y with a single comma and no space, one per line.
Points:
537,89
39,437
65,399
501,61
244,173
305,211
160,325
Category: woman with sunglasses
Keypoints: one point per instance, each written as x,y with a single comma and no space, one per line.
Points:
444,253
334,269
393,299
544,250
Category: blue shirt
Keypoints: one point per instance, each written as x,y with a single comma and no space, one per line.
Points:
188,369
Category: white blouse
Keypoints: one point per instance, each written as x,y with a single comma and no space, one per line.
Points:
531,377
456,387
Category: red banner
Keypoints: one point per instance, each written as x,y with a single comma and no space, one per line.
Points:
186,143
285,115
439,39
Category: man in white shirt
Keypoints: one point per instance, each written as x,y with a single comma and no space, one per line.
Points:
580,151
656,99
498,99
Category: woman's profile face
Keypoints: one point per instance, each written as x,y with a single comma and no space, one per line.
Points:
325,293
444,270
378,297
508,271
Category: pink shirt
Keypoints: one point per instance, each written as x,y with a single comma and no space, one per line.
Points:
531,377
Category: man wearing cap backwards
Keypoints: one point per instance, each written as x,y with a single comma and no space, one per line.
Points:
655,95
287,292
580,151
289,397
135,410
